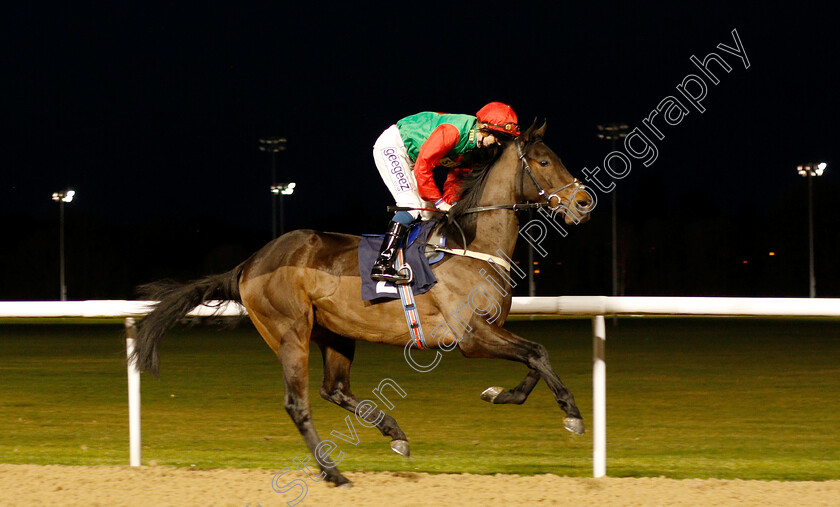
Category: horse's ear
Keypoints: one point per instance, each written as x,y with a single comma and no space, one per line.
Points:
529,134
540,133
535,133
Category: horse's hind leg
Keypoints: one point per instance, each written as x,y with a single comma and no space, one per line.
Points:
498,395
290,339
492,341
338,353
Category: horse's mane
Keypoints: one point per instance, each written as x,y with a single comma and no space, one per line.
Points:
472,187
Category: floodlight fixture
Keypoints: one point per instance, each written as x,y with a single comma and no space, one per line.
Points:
612,131
813,169
273,144
283,188
64,196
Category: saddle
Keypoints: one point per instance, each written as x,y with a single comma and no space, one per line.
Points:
435,239
426,246
418,252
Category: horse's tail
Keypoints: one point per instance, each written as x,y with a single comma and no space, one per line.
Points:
175,301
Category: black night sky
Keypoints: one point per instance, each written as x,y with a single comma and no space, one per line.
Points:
153,115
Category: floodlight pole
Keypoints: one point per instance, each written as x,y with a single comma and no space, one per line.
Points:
812,281
809,171
273,200
61,198
62,284
614,238
282,217
613,132
274,145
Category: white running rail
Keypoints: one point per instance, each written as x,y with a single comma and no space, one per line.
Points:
595,306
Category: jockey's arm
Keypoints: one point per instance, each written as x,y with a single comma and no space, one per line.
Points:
452,186
441,141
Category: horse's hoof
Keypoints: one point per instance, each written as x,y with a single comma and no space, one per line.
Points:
491,393
339,481
574,424
400,447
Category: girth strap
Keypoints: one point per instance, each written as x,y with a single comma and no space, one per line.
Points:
475,255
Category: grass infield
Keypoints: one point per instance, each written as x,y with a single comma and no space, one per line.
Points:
686,398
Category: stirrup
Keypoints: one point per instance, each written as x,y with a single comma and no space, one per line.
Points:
405,267
390,275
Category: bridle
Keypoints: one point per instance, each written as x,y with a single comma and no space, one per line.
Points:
546,203
526,169
521,152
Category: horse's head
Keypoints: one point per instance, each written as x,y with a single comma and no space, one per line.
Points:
544,178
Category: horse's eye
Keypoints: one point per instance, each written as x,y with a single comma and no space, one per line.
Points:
544,163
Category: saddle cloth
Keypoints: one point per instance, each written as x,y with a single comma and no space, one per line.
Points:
415,255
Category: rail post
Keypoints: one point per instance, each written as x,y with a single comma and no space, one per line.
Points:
599,397
133,394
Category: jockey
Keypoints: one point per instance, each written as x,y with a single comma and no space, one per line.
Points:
405,155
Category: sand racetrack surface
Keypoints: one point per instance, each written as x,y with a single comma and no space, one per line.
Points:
162,486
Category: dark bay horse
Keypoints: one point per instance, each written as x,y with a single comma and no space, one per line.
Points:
305,287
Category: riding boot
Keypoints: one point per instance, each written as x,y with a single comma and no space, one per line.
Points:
383,268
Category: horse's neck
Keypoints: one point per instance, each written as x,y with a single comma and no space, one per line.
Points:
498,229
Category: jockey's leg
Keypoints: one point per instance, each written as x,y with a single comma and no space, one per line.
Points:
396,169
397,172
383,268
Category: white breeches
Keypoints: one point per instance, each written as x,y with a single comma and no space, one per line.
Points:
397,171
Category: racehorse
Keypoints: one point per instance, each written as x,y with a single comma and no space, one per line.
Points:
305,287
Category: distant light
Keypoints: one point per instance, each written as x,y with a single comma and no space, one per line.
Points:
536,263
283,188
273,144
65,196
811,169
612,131
536,271
746,262
771,254
821,168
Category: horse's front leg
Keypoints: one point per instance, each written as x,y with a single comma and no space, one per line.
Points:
492,341
498,395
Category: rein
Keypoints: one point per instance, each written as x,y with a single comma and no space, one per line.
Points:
526,169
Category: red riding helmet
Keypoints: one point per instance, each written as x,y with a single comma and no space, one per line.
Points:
499,117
